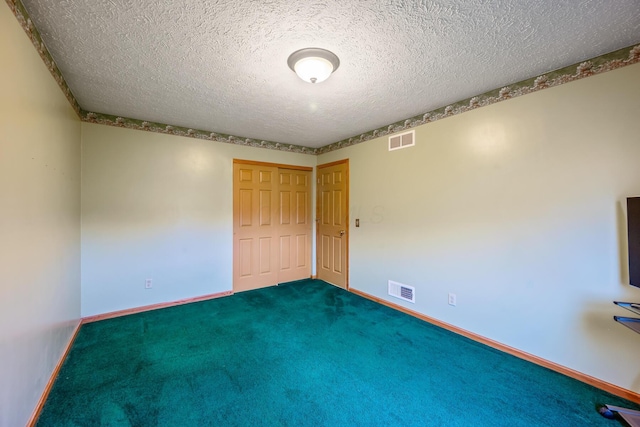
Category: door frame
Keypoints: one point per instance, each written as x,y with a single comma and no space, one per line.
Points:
275,165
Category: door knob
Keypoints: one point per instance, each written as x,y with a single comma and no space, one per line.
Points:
342,232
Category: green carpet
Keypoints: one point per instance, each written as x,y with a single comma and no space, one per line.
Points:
303,354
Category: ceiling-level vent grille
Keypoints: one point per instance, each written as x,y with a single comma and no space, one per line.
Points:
405,292
402,140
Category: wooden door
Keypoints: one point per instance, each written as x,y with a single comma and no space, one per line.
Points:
271,224
294,237
255,222
332,206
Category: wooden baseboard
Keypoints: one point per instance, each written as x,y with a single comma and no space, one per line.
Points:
603,385
144,308
45,393
54,374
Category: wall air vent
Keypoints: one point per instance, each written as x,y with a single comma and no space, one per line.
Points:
405,292
402,140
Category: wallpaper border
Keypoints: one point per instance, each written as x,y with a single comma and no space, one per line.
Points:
27,25
611,61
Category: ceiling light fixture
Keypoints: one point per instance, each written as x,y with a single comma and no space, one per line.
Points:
313,65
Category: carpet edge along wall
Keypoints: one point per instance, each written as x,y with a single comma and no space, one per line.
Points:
304,353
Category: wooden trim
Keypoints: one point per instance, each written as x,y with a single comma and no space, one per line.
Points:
52,378
45,394
347,285
314,276
587,379
337,162
144,308
275,165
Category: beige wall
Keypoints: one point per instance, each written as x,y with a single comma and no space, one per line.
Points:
160,207
39,223
514,207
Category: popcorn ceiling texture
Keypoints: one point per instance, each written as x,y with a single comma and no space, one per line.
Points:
221,66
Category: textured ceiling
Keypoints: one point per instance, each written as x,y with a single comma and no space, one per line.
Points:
221,66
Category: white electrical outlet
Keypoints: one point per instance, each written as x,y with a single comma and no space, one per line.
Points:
148,284
452,299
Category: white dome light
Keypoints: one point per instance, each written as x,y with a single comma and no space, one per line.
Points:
313,70
313,65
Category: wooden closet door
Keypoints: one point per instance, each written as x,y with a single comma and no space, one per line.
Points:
271,224
294,202
255,225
